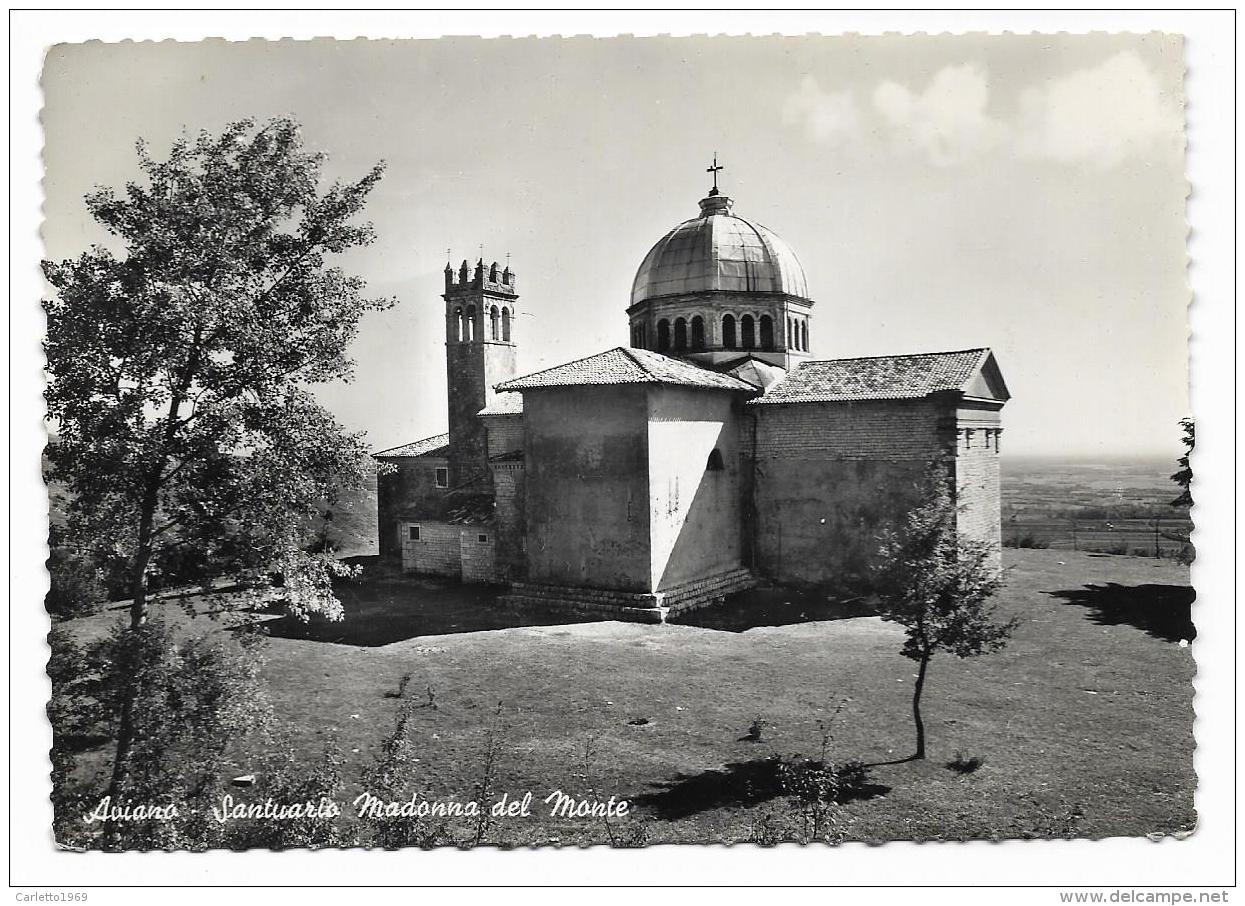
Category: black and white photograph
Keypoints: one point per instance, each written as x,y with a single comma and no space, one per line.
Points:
541,443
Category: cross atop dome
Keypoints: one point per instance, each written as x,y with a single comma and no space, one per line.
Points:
714,170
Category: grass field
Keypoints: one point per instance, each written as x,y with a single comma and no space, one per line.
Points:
1083,724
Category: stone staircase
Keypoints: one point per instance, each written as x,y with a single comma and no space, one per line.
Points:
640,607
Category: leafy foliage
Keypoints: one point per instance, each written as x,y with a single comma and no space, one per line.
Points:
198,700
76,585
389,778
938,586
179,371
1184,475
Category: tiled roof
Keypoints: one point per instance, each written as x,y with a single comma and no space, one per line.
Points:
878,378
437,445
504,404
456,507
623,365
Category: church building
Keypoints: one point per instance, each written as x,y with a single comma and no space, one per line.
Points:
713,451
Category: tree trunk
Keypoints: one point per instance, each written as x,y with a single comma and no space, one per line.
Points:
138,617
916,707
126,729
142,560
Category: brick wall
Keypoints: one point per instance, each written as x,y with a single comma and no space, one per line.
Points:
890,430
505,433
828,477
978,500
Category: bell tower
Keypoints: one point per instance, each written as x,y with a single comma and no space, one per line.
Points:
479,354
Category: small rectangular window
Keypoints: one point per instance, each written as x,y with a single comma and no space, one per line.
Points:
413,532
483,539
443,478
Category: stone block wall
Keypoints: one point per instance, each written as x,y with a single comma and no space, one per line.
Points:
437,552
413,480
477,557
472,370
510,525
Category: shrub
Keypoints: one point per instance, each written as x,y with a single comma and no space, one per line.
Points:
76,585
198,700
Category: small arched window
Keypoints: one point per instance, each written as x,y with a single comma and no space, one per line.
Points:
680,334
748,328
505,325
804,336
469,329
790,330
715,461
767,332
698,332
728,331
493,318
663,335
458,324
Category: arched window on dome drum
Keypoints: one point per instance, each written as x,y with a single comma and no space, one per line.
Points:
505,325
637,336
469,327
493,318
747,327
790,330
728,331
698,332
458,324
663,335
804,336
767,332
680,335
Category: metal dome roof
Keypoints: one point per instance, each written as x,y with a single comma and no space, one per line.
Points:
719,251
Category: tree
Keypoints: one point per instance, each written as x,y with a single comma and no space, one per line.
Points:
1184,476
179,370
938,586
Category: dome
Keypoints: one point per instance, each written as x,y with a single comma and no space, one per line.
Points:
719,251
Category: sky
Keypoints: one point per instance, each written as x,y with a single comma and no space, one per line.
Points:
1024,193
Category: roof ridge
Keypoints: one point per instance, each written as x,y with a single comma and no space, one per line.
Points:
630,353
534,374
411,443
898,355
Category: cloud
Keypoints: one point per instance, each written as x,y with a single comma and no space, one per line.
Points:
831,118
947,122
1100,115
